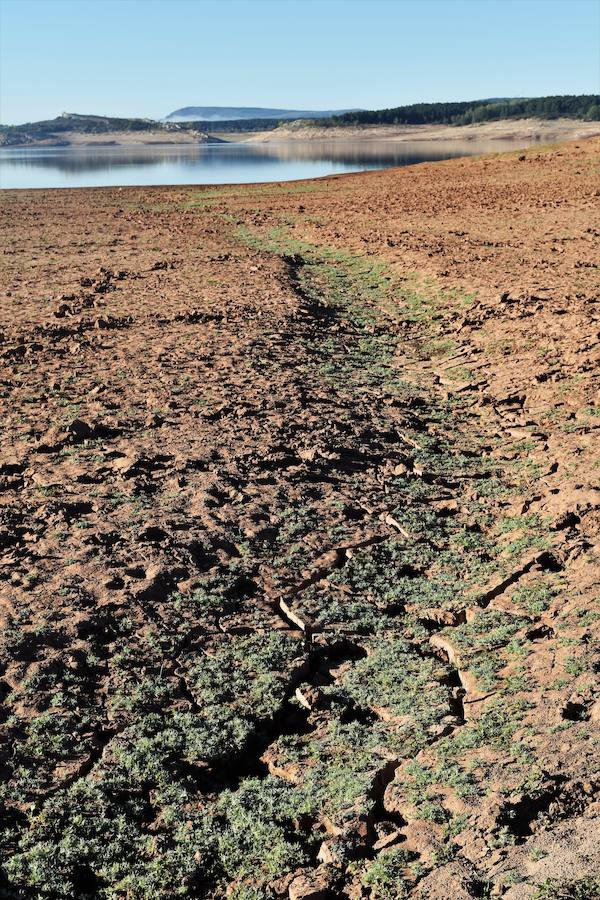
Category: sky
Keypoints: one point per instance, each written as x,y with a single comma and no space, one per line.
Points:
149,57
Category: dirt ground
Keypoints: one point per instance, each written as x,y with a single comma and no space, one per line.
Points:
300,536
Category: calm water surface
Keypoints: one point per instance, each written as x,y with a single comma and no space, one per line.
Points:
48,167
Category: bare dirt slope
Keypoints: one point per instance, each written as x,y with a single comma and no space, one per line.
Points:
299,527
118,138
134,138
526,130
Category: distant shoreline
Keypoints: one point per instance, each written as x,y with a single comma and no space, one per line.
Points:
121,139
547,130
503,129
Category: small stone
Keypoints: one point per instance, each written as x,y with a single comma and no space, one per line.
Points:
326,853
308,696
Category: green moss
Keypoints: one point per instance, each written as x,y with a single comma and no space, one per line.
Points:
244,674
565,889
396,677
536,597
256,837
385,876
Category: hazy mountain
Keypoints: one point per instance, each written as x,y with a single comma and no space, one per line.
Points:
224,113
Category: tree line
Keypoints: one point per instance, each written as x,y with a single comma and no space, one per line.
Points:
582,106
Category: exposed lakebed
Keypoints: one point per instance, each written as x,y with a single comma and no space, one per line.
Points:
299,536
226,163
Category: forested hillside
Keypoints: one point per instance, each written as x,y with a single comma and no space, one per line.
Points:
584,106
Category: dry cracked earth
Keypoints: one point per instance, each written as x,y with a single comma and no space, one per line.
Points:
300,536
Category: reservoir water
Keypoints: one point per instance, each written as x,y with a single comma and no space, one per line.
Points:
227,163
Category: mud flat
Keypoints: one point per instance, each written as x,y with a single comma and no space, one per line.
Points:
300,534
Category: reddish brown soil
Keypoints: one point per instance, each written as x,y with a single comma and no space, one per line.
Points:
166,422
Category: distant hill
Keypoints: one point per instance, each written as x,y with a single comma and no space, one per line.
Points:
56,131
197,121
227,113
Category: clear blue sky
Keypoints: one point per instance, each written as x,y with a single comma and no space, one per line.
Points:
148,57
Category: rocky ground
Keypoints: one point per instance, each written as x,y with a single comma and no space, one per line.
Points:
300,536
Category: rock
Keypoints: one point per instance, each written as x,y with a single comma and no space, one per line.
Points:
307,454
292,616
443,644
309,887
51,441
389,520
327,852
438,616
389,840
125,464
308,696
595,712
446,507
423,837
279,887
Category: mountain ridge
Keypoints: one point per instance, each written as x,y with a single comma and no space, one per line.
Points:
223,113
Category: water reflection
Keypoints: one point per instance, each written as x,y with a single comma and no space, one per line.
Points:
22,167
